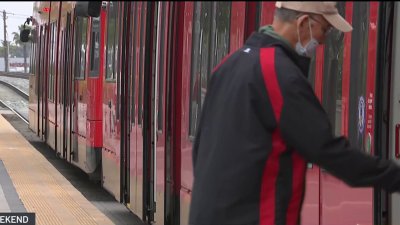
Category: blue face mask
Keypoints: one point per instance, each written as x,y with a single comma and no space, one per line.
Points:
309,49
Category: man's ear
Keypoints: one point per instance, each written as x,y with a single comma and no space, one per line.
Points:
302,20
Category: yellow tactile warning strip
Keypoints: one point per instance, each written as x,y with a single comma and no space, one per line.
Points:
41,188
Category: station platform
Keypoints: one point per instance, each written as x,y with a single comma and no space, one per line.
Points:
29,182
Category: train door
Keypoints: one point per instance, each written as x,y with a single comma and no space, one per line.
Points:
69,91
63,90
51,84
349,99
33,81
42,83
159,75
39,79
123,82
46,88
145,172
140,175
172,111
144,143
60,91
79,91
111,102
65,87
394,111
383,105
135,62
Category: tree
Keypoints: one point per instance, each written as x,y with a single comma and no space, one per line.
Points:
18,42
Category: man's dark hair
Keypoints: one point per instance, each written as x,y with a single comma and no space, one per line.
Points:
286,14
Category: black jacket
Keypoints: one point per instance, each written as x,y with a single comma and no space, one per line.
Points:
260,122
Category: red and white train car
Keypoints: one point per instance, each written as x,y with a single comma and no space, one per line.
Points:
66,84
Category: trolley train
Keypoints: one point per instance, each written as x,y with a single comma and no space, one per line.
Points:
116,88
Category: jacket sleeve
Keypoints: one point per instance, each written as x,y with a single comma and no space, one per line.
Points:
304,126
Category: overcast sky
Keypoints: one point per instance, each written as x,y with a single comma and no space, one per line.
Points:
18,12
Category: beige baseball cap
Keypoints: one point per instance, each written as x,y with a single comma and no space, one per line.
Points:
327,9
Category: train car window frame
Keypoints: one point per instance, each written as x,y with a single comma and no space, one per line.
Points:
62,64
118,56
205,53
94,48
161,71
40,62
112,42
52,60
141,62
358,74
81,24
32,69
133,65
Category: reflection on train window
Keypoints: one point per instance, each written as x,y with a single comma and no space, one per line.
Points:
52,69
358,73
32,66
141,61
80,47
332,81
161,72
61,66
112,40
132,65
41,62
95,48
117,55
211,26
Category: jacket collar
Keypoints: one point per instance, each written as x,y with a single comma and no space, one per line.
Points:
261,40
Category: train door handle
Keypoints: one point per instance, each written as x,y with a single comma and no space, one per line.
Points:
80,97
109,104
397,150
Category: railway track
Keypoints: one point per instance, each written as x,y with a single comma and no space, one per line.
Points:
5,105
15,75
14,99
16,89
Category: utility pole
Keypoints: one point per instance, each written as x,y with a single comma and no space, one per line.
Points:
5,43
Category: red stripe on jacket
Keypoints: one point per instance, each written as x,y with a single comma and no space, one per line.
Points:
271,169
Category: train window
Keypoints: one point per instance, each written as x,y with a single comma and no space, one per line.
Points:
332,81
62,65
95,48
52,69
220,32
112,40
141,62
32,59
161,71
358,73
132,65
68,60
80,47
211,26
118,57
38,56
